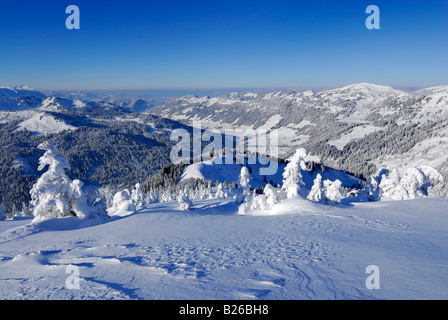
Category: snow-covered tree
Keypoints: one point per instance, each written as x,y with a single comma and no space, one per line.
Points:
167,195
244,179
332,191
185,203
316,193
412,181
434,182
432,174
391,188
54,195
258,203
220,191
108,195
416,182
372,190
292,176
244,194
271,194
261,202
122,204
91,202
231,193
203,192
138,196
152,196
52,191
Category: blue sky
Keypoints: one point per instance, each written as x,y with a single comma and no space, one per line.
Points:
222,44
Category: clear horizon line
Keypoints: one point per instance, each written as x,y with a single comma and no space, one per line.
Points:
237,88
227,88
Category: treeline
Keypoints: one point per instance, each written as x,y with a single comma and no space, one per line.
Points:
167,177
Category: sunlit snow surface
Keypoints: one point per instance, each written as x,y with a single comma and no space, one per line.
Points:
300,251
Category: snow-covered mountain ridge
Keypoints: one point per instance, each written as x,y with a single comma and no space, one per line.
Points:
353,103
357,128
105,143
19,98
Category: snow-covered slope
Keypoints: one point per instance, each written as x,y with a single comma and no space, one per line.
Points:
366,89
440,89
308,252
41,123
33,111
217,170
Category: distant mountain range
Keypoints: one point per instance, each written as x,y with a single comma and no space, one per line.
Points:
358,128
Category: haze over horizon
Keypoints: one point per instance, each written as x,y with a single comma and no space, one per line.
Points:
194,45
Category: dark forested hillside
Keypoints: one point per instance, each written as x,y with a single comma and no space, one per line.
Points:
101,151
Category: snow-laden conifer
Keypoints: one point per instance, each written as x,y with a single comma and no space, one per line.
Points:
292,177
316,193
54,195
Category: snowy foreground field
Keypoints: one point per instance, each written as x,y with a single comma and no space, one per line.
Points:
308,252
